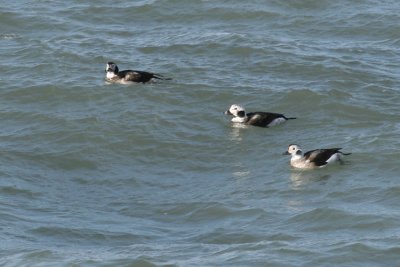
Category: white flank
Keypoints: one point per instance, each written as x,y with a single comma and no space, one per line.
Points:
277,121
335,157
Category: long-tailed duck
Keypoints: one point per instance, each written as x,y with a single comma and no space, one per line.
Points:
313,159
130,76
261,119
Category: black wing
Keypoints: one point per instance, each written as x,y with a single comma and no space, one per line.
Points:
263,119
136,76
320,156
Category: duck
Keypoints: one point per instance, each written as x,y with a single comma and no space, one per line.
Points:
258,118
314,159
113,74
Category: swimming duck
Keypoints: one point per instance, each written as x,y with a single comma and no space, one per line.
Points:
313,159
129,76
261,119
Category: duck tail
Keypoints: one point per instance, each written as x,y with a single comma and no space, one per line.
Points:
161,77
346,154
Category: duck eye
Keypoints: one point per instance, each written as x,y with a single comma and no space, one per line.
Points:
293,148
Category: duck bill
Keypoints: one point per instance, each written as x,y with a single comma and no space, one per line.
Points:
286,153
228,112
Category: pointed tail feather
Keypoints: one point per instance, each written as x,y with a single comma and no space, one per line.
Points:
160,77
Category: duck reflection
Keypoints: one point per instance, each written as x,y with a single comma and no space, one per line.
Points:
302,178
235,134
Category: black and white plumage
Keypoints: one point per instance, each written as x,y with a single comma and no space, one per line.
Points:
129,76
313,159
261,119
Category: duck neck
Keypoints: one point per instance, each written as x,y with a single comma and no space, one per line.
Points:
241,116
110,75
297,156
240,119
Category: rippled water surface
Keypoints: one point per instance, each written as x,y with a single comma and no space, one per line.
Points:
97,174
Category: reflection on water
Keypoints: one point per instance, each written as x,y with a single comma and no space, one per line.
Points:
299,179
235,131
295,205
241,174
240,171
302,178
